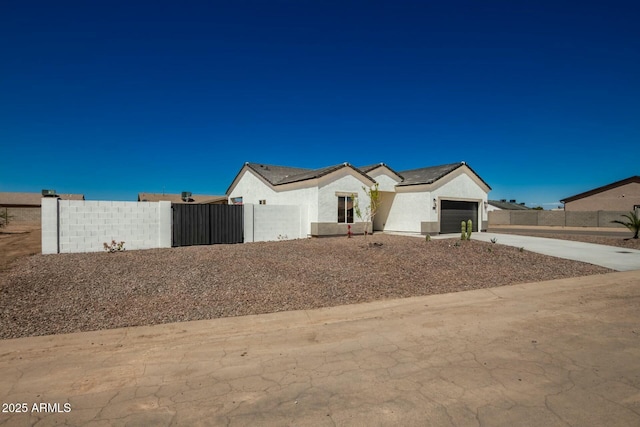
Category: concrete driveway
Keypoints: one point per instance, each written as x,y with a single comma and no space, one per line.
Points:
558,353
615,258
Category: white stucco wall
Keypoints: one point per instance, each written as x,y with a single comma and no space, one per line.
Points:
385,180
273,222
252,189
409,209
316,197
342,181
462,187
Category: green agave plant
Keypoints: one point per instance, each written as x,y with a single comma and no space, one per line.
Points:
632,224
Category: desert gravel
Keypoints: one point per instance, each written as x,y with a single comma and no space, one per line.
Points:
52,294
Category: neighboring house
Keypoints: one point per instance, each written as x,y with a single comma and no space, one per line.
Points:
503,205
621,195
25,207
177,198
428,200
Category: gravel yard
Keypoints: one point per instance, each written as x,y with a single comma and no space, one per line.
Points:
51,294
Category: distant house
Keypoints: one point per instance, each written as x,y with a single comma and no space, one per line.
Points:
428,200
178,198
621,195
25,207
504,205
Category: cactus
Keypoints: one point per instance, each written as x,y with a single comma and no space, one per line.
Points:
469,229
463,230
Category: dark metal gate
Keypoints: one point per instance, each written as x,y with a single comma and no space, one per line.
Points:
207,224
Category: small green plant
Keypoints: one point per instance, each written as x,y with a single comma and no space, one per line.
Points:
114,246
456,244
632,224
466,228
5,218
427,238
489,249
370,211
494,240
521,249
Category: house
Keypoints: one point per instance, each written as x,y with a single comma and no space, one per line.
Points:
428,200
621,195
182,198
25,207
503,204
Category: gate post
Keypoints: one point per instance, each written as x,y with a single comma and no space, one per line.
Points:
248,222
50,225
164,224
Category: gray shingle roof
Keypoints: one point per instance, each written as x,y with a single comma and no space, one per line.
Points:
278,175
369,168
427,175
431,174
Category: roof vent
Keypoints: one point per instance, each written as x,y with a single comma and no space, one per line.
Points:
503,200
512,201
186,196
521,203
463,162
48,193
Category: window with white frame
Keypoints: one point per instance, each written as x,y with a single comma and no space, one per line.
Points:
345,209
262,202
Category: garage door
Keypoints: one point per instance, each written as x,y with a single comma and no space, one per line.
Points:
453,212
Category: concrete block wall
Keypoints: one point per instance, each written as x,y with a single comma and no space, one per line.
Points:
70,226
272,222
556,218
23,215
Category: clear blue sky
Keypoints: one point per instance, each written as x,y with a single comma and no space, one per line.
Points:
112,98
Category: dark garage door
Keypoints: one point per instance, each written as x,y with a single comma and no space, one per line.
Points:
453,212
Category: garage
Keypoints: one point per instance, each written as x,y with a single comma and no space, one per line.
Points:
453,212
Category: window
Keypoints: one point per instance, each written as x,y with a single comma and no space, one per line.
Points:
262,202
345,209
236,201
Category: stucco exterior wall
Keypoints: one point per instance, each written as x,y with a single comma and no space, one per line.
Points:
462,187
252,189
622,198
342,182
409,209
316,198
385,181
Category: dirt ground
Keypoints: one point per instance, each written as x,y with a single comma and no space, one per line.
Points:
17,241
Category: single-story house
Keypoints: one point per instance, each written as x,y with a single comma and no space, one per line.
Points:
25,207
504,205
623,195
183,198
428,200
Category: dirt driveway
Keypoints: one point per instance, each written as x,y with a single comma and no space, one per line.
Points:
559,353
18,241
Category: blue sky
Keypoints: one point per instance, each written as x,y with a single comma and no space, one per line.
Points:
112,98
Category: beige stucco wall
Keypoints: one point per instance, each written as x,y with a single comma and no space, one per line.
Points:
622,198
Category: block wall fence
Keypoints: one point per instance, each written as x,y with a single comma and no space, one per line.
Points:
72,226
556,218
